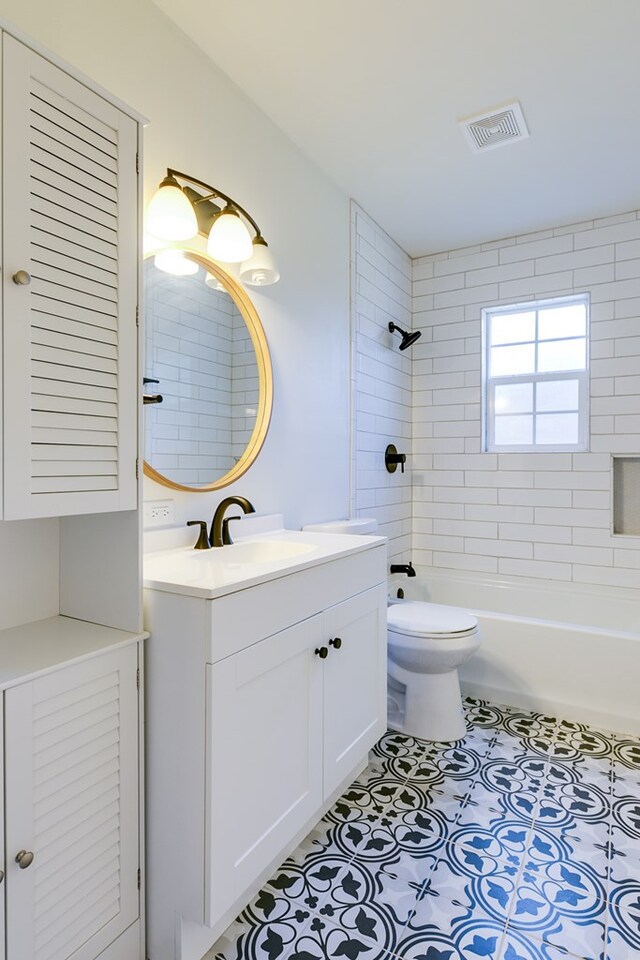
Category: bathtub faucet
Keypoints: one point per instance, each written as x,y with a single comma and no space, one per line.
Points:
403,568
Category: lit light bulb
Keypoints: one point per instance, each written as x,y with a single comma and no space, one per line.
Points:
229,240
170,215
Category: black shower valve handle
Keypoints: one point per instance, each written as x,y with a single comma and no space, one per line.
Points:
392,458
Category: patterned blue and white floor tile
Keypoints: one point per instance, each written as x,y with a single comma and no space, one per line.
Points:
520,842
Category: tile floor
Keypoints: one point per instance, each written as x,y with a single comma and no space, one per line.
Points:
520,842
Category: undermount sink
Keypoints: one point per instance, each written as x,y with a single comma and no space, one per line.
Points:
257,551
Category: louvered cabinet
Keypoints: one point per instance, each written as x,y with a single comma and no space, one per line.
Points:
71,793
70,291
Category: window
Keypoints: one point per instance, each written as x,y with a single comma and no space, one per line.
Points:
536,375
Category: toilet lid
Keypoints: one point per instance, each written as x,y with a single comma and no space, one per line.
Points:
429,619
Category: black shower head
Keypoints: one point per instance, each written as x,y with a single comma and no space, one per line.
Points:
407,338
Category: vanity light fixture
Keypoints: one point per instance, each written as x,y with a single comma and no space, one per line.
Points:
178,212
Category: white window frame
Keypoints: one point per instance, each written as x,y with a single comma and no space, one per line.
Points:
490,383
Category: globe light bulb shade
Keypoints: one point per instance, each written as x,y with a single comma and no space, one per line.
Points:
175,263
260,270
229,240
170,215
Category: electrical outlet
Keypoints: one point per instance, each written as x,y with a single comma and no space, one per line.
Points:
159,513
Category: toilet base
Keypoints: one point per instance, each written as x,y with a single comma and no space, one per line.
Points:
433,707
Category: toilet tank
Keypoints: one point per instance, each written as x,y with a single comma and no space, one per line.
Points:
353,525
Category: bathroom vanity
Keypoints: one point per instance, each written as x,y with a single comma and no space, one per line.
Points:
266,689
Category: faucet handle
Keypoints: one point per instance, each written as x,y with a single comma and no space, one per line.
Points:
226,536
203,539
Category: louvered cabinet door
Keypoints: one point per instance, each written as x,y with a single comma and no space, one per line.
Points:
72,801
70,339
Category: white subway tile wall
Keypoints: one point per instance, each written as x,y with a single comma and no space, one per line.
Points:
381,381
198,347
542,515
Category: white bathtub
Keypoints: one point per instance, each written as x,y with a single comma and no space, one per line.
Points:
559,648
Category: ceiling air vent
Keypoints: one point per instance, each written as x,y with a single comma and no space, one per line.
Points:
495,128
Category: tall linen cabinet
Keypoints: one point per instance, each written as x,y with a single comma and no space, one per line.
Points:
71,833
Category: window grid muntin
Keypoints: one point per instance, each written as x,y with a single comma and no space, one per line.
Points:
489,382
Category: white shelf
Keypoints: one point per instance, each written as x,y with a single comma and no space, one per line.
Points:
35,648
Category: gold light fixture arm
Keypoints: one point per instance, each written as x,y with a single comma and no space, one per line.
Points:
213,194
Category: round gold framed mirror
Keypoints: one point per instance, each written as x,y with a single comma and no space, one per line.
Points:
206,347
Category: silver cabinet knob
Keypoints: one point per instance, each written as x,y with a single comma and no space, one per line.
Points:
22,278
24,859
1,875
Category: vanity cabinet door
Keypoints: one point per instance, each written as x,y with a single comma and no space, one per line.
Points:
355,682
72,803
264,758
70,241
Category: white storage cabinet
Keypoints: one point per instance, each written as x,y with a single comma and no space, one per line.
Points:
71,744
70,293
71,789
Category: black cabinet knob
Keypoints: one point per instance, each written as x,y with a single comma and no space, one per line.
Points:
336,643
322,652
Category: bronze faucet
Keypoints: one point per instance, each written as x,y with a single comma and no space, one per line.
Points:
219,536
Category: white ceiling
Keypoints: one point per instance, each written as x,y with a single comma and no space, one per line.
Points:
373,91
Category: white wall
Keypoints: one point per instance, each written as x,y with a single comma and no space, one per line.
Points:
381,412
542,515
202,124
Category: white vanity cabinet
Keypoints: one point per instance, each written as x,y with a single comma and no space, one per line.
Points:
70,292
287,682
71,791
287,727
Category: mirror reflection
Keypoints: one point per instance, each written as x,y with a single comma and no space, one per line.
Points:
199,348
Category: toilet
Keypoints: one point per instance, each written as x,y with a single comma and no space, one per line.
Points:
426,644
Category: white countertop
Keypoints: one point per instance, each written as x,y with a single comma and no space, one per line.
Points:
221,570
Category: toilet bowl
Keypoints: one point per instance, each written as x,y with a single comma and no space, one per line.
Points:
427,642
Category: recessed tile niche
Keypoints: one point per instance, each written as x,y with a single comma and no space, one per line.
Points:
626,496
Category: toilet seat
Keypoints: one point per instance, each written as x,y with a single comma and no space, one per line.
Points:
434,620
